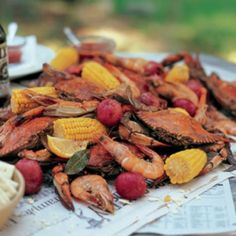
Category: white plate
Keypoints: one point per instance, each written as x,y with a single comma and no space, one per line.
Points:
43,55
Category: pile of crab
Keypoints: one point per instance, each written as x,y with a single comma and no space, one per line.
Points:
158,111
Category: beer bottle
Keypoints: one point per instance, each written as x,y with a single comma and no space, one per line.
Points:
4,77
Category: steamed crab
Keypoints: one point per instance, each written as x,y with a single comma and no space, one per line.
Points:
171,128
23,131
224,92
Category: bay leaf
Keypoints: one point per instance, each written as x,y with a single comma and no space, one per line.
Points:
77,162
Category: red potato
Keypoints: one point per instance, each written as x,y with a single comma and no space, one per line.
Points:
32,174
130,185
152,68
149,99
185,104
109,112
195,85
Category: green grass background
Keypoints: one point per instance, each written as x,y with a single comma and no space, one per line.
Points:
167,25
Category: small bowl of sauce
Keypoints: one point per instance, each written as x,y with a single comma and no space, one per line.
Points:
92,44
15,49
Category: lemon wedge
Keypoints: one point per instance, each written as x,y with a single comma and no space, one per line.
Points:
65,148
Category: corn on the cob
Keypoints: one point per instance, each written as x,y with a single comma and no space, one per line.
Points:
183,166
99,75
65,58
179,73
82,129
20,102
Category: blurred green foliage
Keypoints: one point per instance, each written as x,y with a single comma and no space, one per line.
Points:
195,25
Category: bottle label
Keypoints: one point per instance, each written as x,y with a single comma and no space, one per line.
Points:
3,62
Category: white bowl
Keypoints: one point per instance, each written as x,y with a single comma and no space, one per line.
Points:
6,211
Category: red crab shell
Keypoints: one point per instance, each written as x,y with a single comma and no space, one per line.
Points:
25,135
78,89
177,128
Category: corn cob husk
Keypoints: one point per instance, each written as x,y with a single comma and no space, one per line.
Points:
20,102
82,129
99,75
179,73
179,109
183,166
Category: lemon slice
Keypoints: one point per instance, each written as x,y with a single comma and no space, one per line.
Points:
65,58
65,148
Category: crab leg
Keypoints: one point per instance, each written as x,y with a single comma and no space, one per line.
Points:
40,155
188,59
215,161
174,90
136,136
60,108
222,151
61,182
16,120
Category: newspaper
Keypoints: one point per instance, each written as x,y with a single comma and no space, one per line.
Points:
43,214
211,212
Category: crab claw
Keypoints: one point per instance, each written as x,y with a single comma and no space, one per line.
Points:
61,182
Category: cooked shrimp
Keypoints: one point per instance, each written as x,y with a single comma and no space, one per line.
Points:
130,162
93,189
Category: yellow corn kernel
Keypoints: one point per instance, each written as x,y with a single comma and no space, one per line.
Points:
179,73
65,58
183,166
82,129
20,102
167,199
99,75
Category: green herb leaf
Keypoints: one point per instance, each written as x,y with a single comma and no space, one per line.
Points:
77,162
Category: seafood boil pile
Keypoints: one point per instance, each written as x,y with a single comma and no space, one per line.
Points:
93,117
